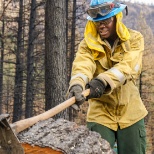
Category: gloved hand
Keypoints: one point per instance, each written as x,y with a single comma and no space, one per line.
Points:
76,90
97,88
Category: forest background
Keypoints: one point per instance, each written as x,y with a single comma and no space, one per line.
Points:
38,42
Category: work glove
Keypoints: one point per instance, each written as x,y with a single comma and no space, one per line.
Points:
76,90
97,88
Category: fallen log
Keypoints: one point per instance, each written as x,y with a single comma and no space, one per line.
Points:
63,137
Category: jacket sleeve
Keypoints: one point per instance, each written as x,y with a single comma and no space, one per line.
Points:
83,67
129,67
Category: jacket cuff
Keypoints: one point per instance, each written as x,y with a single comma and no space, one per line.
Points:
109,82
78,81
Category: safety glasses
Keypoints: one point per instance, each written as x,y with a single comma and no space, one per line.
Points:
102,9
104,22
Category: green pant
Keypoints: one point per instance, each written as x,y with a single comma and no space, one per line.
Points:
130,140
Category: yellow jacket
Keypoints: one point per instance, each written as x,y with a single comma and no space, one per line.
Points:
119,67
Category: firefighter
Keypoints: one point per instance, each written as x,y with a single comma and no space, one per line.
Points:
108,62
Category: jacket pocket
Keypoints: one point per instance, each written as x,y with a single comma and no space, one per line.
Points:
117,56
142,132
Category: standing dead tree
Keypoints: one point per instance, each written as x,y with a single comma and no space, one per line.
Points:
18,88
55,55
2,58
30,62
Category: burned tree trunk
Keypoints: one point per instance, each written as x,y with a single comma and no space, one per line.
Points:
1,63
30,63
55,55
18,88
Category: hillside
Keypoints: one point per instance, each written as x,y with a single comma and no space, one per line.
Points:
134,13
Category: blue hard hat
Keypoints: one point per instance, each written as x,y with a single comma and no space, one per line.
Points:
98,2
113,12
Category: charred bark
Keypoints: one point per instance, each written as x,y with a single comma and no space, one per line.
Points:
30,63
18,88
55,55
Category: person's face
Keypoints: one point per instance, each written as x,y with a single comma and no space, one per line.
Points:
107,28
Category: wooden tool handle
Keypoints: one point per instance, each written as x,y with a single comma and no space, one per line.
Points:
26,123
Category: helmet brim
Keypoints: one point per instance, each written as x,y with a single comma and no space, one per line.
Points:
111,14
